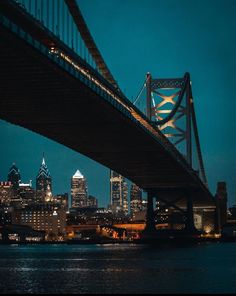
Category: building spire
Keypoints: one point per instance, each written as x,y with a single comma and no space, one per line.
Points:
43,161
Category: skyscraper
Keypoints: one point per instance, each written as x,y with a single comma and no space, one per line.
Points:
26,193
14,176
6,193
118,193
79,190
125,197
44,183
135,199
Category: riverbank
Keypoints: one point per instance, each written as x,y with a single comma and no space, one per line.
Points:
136,241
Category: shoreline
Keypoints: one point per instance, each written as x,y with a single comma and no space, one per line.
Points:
174,241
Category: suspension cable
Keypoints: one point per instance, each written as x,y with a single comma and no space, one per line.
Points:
141,90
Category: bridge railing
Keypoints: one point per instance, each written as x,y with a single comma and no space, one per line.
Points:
55,16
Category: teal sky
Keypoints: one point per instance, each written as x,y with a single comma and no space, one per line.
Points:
166,38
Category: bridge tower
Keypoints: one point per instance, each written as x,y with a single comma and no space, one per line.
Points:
170,108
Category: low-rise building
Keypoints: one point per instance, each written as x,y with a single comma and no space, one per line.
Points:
42,218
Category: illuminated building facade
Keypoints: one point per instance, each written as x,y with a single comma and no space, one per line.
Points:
44,183
118,193
43,218
79,190
125,197
6,193
26,193
135,199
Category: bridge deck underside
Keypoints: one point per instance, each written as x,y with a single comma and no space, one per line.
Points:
38,95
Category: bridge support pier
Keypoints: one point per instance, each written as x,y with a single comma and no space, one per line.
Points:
150,221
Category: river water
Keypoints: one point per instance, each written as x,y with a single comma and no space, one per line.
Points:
114,268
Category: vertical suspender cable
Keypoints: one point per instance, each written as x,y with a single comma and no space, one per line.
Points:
29,6
62,23
71,32
73,36
53,16
35,8
42,12
76,41
47,20
80,45
58,17
67,28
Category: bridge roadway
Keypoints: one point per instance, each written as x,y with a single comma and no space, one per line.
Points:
53,94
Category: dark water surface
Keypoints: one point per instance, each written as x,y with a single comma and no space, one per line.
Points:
204,268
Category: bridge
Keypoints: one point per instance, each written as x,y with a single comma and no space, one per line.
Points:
48,86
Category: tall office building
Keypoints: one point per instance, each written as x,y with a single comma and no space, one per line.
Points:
118,193
44,183
125,198
26,193
79,190
135,199
14,176
6,193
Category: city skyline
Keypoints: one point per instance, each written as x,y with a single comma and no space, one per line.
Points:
209,59
145,88
44,172
35,180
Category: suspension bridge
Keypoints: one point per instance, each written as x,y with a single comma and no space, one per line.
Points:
55,82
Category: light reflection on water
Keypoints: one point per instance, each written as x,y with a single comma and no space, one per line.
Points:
205,268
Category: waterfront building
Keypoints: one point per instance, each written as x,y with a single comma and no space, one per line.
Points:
5,216
118,193
43,184
135,199
14,176
20,233
42,218
89,215
79,190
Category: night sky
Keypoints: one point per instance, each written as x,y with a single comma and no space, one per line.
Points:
166,38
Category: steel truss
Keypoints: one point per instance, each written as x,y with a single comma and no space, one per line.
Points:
181,100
